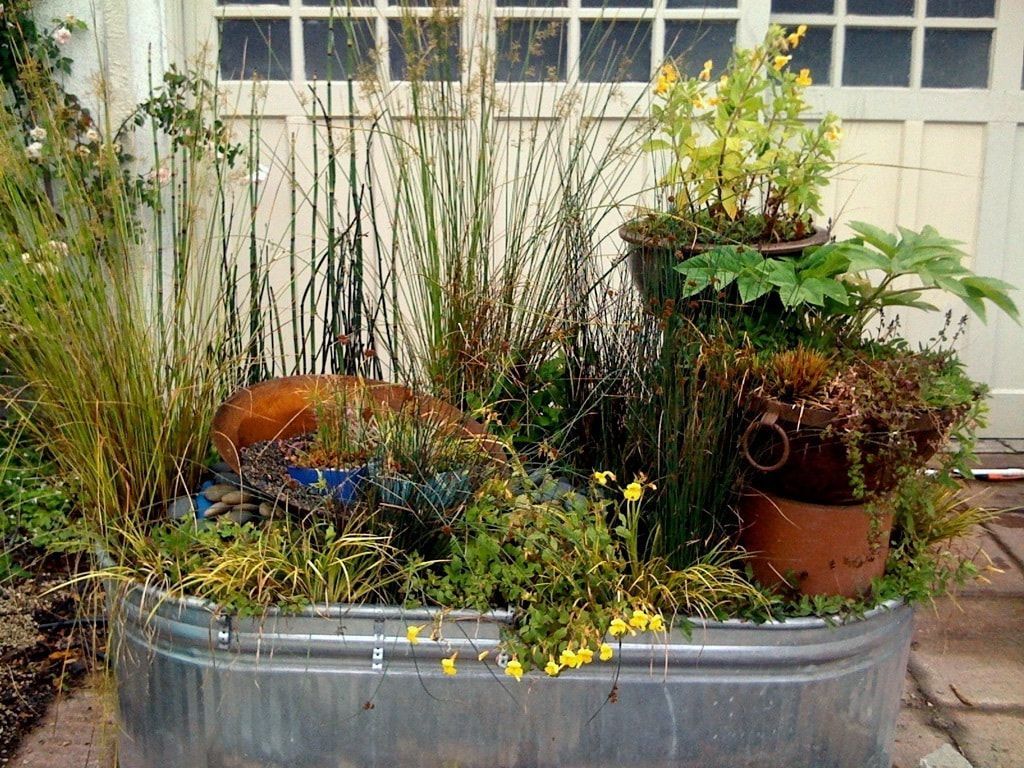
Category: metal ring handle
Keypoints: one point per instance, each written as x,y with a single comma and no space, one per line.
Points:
768,420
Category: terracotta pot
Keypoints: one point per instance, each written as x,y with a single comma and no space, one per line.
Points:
652,260
814,549
283,407
798,457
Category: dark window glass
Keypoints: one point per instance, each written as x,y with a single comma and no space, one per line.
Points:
424,49
881,7
815,53
531,50
617,3
803,6
956,58
962,9
877,57
346,61
697,3
339,5
533,3
690,43
260,48
614,51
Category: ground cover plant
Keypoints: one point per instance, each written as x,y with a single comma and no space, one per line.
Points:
132,306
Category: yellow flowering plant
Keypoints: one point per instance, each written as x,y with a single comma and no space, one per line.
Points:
741,165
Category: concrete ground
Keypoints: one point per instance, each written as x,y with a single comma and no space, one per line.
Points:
963,703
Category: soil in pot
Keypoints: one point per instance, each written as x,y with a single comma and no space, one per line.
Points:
813,549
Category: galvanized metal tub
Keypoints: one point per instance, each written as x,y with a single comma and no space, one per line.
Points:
343,687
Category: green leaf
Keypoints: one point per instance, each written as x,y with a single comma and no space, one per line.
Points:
995,291
655,145
876,236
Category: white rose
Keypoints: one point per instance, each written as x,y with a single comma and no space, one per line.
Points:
61,35
34,151
37,134
92,136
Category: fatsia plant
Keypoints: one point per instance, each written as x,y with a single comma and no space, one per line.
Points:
840,288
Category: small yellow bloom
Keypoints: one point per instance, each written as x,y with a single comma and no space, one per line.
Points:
723,81
698,103
633,492
712,101
606,652
781,61
570,659
705,74
412,634
639,620
552,668
482,655
670,73
801,30
834,134
514,669
657,623
585,655
602,478
804,78
448,665
618,628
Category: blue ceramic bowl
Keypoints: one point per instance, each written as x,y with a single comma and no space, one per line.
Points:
342,484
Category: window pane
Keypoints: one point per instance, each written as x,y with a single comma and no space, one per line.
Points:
424,49
881,7
610,4
259,48
956,58
414,3
963,9
877,57
533,3
815,53
531,50
700,4
252,2
691,43
339,5
346,62
803,6
615,51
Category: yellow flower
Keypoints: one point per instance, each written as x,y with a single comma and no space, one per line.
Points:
633,492
585,655
569,659
667,77
552,668
514,669
639,619
412,634
602,478
605,652
712,101
448,665
780,61
705,74
723,81
698,103
834,134
482,655
618,628
804,78
795,38
657,623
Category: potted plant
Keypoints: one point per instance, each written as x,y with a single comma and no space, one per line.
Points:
840,419
327,433
743,166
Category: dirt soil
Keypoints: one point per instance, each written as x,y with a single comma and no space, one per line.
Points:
42,650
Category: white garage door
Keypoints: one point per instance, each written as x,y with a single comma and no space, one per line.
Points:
931,92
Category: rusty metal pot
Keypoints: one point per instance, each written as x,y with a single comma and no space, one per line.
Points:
799,454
